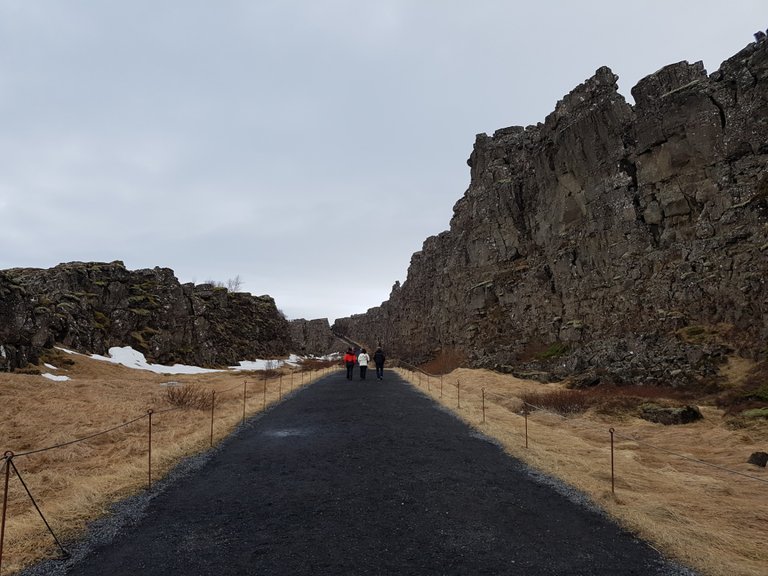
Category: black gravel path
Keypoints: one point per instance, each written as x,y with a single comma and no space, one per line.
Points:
355,478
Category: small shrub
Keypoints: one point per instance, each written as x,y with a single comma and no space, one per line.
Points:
561,401
190,396
31,371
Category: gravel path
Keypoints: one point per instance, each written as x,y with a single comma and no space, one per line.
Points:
356,478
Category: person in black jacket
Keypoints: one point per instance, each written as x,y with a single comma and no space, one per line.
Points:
378,358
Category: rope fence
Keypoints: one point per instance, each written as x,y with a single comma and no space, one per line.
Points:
8,467
527,408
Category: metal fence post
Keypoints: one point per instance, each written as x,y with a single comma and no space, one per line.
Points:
264,401
149,451
525,414
7,457
280,389
613,477
245,383
213,406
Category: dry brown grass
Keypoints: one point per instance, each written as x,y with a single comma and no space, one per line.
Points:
75,484
447,360
707,518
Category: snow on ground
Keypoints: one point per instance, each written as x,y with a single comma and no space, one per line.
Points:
127,356
50,367
55,378
292,360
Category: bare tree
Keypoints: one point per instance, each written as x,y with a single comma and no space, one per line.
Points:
235,284
232,285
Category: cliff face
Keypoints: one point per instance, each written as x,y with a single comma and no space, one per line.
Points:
314,337
634,237
94,306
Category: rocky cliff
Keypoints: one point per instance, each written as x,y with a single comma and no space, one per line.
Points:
93,306
630,240
314,337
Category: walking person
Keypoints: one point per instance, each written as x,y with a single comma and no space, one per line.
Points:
349,362
363,360
378,359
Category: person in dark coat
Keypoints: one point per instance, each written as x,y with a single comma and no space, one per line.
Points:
378,359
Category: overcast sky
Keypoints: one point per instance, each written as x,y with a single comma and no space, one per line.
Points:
307,146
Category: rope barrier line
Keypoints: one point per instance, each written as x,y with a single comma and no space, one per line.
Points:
238,387
84,438
123,425
40,512
684,457
167,410
625,437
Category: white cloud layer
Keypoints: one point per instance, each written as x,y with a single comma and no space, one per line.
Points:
308,147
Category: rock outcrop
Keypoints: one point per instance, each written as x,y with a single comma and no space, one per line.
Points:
314,337
631,240
91,307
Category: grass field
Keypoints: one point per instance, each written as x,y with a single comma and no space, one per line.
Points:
710,519
76,483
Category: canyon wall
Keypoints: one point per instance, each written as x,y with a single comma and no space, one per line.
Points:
627,240
91,307
314,337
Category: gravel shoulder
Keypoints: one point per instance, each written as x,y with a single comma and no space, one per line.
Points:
356,478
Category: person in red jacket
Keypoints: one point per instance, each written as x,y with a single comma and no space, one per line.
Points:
349,362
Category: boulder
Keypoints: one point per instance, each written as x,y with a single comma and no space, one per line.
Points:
669,415
758,459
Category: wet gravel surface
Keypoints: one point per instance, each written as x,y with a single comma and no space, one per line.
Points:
357,478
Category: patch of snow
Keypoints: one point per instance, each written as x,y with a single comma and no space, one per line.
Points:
50,367
130,358
55,378
170,384
67,351
258,365
127,356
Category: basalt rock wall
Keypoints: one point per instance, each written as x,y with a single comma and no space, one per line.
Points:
632,240
314,337
91,307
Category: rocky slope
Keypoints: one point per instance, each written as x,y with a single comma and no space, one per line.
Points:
629,240
93,306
